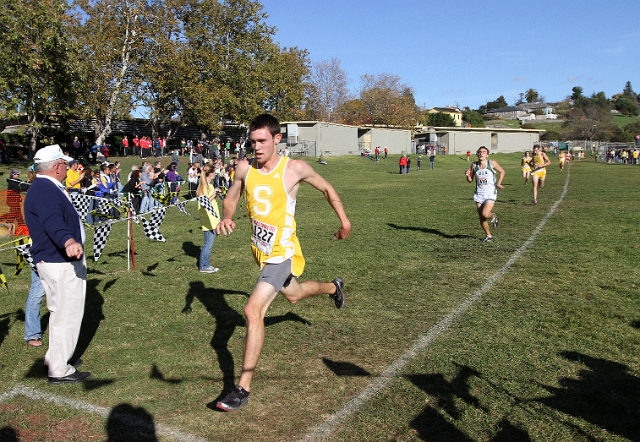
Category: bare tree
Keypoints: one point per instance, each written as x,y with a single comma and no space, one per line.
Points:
327,89
388,100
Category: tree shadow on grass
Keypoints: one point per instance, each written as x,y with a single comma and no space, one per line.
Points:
429,231
432,424
605,394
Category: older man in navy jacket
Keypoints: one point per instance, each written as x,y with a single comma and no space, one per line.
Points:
58,237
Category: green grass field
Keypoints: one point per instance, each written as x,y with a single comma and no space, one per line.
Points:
549,349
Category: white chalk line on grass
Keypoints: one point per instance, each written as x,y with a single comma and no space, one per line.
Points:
160,430
324,430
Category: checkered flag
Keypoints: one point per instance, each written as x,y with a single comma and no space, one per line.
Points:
100,236
181,206
151,227
24,254
81,202
204,202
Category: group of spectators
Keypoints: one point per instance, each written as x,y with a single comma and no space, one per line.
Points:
622,156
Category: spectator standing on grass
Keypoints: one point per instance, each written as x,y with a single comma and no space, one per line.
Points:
402,163
193,174
77,148
419,162
125,146
408,164
432,158
58,237
539,162
146,177
136,145
484,171
209,221
271,184
377,153
133,187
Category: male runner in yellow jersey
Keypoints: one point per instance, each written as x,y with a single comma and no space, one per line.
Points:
539,162
271,183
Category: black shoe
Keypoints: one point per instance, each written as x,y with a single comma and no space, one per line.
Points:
338,297
235,400
76,376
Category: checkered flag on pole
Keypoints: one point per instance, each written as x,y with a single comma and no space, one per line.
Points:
24,254
204,202
151,227
100,236
81,202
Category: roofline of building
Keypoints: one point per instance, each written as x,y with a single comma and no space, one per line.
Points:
432,129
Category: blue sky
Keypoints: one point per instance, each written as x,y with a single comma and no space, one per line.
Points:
469,52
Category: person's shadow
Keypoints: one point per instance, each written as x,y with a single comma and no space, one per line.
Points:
227,319
127,423
93,315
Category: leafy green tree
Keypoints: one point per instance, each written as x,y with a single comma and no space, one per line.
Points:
164,69
287,85
628,91
627,105
38,63
576,95
473,118
440,119
499,103
241,71
110,34
531,95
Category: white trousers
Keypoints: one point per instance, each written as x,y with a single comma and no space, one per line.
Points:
66,286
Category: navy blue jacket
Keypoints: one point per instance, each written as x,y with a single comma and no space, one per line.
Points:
52,221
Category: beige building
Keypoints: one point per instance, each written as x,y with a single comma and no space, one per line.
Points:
460,140
314,138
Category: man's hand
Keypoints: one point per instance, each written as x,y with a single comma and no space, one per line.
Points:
226,227
344,231
73,249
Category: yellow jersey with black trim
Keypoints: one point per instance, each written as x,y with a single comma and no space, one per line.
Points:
538,161
272,211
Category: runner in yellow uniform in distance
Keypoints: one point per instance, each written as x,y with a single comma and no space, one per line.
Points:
539,162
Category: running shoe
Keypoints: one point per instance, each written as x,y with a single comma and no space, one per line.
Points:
495,221
487,238
235,400
338,297
534,201
210,269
